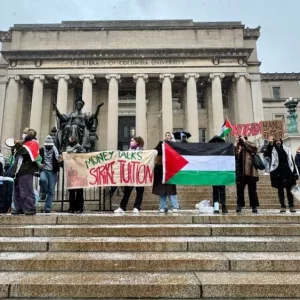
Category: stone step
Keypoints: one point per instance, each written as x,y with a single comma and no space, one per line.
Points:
153,217
149,261
153,244
149,285
147,230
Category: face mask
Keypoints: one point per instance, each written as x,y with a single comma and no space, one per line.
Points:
23,136
48,147
72,144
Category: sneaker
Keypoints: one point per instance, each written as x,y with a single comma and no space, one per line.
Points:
136,211
266,173
292,209
175,210
17,212
162,211
282,209
47,211
216,212
30,212
119,210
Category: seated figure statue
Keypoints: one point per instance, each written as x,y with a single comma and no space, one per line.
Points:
79,124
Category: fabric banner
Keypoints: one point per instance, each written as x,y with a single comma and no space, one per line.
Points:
109,168
198,163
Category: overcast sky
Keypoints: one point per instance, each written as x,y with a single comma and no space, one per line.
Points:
278,45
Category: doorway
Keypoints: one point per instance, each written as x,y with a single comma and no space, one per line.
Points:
126,131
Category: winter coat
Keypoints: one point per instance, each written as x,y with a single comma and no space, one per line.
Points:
244,161
25,166
283,172
55,163
297,160
160,188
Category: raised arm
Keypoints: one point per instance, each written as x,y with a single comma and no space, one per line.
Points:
97,110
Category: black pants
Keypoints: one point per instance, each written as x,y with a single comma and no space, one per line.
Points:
252,191
138,199
219,194
76,199
289,196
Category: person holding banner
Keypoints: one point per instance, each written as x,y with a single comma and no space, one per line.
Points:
164,190
283,172
75,195
246,174
136,144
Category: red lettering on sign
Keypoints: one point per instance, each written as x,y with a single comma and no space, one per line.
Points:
103,175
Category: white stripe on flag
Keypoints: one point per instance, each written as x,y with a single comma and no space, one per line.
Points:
209,163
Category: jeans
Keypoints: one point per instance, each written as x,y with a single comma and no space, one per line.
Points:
138,198
47,183
163,201
267,164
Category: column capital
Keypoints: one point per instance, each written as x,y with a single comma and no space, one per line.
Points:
213,75
254,77
110,76
191,75
15,77
238,75
40,77
66,77
88,76
163,76
144,76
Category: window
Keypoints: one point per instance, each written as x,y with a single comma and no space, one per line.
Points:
176,99
279,117
276,92
225,93
202,135
201,98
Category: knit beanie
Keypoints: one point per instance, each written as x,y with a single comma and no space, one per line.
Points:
48,141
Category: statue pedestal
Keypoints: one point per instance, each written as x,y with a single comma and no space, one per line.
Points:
293,142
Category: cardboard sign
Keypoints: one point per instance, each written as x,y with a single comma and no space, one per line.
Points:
273,128
109,168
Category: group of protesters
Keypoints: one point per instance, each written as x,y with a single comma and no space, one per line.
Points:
278,160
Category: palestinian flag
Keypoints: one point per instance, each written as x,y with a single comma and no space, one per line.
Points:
226,128
198,163
32,148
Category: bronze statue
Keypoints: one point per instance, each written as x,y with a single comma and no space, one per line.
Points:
79,124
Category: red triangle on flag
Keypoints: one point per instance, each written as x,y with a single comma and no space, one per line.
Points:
173,162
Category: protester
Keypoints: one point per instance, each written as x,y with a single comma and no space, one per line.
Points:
24,167
136,144
297,159
48,174
184,139
162,189
263,150
283,171
219,193
75,195
246,174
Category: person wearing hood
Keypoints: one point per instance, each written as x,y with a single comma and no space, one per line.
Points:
48,174
283,171
219,193
297,159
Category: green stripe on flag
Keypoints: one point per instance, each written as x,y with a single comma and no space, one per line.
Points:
203,178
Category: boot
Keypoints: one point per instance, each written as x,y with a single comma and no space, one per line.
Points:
238,209
224,209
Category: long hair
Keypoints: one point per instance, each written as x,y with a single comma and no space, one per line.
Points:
139,140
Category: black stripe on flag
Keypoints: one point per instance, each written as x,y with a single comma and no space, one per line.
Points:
202,149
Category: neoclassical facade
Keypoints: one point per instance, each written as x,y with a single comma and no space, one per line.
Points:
153,77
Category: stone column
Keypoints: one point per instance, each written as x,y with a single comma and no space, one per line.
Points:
167,108
87,92
37,103
191,116
3,82
242,113
217,102
112,111
141,105
10,108
258,112
62,93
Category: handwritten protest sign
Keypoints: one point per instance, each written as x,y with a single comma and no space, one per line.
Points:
109,168
273,128
265,128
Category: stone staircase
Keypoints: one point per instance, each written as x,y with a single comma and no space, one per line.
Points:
180,256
